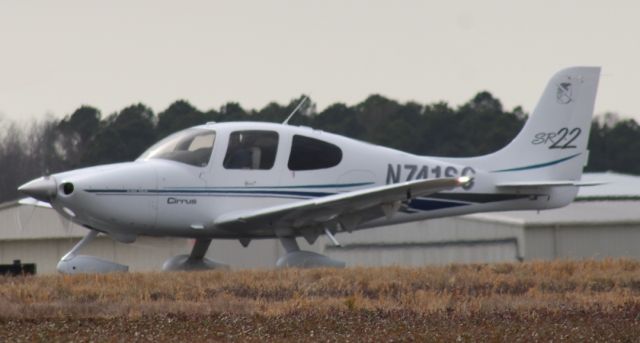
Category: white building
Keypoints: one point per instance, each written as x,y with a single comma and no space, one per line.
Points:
607,224
603,222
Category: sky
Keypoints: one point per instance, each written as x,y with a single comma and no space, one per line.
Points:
58,55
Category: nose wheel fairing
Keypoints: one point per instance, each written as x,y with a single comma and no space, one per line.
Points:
85,264
71,263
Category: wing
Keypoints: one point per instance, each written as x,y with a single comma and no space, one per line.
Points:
346,209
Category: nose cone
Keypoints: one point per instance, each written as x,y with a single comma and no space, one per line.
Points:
43,189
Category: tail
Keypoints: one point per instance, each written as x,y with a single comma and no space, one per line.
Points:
552,145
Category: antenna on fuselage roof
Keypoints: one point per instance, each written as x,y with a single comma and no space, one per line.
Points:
286,121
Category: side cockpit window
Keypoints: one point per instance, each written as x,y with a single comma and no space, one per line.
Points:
192,146
251,150
310,153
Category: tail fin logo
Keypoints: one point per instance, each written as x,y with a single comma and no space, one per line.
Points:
564,94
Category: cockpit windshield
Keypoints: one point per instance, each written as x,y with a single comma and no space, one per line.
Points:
191,146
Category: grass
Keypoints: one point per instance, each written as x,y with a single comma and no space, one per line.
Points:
577,300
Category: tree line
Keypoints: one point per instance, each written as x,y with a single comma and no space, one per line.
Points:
479,126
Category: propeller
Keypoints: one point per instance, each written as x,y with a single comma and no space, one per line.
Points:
24,219
66,225
19,214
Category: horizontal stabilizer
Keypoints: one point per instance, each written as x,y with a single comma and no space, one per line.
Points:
529,184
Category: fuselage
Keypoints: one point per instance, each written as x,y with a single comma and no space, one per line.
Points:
180,185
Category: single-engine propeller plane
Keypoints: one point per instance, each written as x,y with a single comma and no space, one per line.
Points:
250,180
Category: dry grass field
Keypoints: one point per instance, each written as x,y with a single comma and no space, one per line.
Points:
539,301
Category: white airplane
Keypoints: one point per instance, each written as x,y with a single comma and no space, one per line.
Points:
250,180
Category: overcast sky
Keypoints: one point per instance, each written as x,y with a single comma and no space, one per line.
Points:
58,55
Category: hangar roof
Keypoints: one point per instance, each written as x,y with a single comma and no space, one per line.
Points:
582,213
616,185
616,202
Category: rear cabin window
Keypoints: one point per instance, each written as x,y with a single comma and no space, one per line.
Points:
251,150
310,153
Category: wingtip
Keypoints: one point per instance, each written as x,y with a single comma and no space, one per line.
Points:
463,180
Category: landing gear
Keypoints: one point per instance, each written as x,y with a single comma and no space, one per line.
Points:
195,260
303,259
78,264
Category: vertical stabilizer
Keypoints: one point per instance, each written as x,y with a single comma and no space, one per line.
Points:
552,145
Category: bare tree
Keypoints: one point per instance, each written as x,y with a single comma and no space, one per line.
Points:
26,153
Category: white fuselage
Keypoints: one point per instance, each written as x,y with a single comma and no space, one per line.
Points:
164,197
